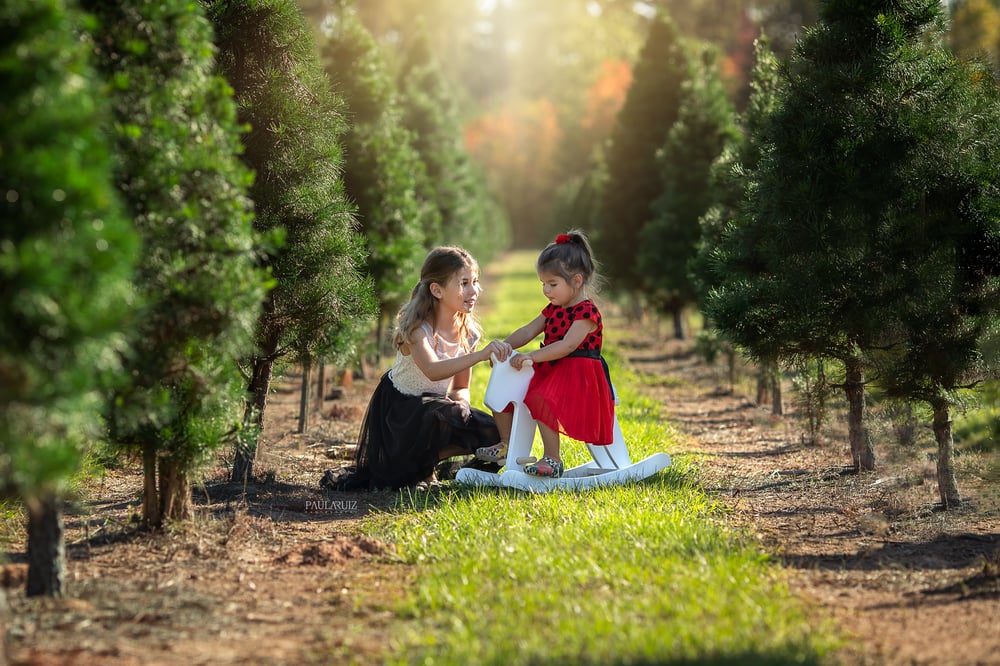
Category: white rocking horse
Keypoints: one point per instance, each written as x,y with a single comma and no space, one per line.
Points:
611,464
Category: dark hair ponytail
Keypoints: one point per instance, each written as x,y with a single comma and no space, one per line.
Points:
568,255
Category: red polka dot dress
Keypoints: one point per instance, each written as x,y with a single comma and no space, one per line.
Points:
572,395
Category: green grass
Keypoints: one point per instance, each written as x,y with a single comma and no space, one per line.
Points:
646,573
11,522
976,430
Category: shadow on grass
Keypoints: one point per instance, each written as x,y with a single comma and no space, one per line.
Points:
418,500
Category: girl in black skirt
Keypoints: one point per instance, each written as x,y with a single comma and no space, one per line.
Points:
419,413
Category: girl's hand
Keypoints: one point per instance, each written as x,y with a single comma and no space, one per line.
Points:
461,398
466,410
517,361
498,348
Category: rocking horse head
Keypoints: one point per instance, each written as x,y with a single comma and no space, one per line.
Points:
506,384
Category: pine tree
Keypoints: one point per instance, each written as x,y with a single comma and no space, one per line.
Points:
729,173
669,242
800,276
297,124
383,174
945,240
66,256
728,185
178,172
870,211
634,181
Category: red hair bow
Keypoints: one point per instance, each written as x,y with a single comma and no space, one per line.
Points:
562,238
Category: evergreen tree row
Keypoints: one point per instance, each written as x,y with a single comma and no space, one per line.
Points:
870,225
181,217
849,217
67,252
649,186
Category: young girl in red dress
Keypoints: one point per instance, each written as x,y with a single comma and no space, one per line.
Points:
570,392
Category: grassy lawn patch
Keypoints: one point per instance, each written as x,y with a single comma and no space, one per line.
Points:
645,573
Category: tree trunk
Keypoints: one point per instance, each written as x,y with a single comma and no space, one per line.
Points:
151,514
175,491
731,359
762,378
379,329
947,486
320,386
816,402
304,394
253,415
777,406
633,307
904,424
4,615
46,548
862,454
678,317
820,396
769,387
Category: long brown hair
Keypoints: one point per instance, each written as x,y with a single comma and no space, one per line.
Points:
440,265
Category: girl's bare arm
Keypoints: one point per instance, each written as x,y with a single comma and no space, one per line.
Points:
576,334
437,369
459,390
526,333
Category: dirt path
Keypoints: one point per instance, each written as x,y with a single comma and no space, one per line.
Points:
274,573
914,585
277,572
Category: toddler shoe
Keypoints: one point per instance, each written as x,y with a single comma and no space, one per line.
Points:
546,467
494,454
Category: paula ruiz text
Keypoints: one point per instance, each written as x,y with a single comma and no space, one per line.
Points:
331,506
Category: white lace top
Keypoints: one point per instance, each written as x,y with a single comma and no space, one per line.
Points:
407,377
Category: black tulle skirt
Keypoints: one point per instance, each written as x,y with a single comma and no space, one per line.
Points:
403,436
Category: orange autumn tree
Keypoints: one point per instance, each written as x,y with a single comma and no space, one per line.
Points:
591,127
516,146
604,100
582,160
526,154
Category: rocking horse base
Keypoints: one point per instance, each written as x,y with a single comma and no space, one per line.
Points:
584,477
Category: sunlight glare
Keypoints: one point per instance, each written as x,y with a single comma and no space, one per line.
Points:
644,9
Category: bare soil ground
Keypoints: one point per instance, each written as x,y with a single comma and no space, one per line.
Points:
277,572
909,583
